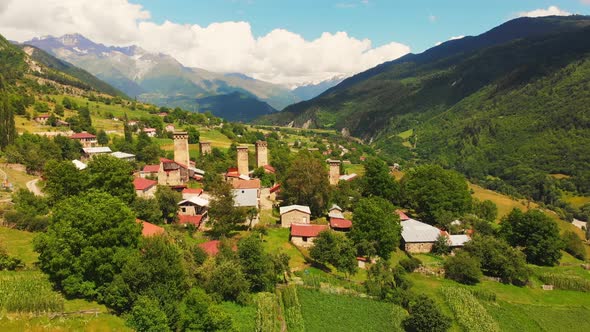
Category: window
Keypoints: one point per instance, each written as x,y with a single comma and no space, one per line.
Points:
304,238
304,220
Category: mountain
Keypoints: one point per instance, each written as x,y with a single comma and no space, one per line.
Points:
20,65
157,77
507,105
309,91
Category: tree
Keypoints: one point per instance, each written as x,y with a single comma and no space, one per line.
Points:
499,259
58,109
441,245
256,264
227,281
146,316
536,233
574,245
7,127
199,313
336,249
168,202
112,175
463,268
157,271
438,195
376,227
306,183
379,182
223,215
426,316
486,210
193,135
102,137
85,242
63,180
148,209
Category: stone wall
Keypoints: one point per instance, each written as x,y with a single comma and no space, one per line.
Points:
302,242
294,217
419,247
261,154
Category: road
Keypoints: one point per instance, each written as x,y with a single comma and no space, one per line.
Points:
32,186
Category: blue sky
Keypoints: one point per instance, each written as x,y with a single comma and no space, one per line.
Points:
419,23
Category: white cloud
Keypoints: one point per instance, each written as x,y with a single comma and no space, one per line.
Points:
280,56
452,38
549,11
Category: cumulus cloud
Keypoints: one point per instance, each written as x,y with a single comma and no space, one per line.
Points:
549,11
280,56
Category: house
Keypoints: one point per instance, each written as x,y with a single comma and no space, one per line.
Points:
151,132
232,173
579,223
94,151
61,123
340,224
348,177
303,235
268,169
171,173
150,171
79,165
42,118
123,156
191,192
246,192
145,188
86,139
170,128
149,229
193,206
418,237
294,214
458,240
335,212
191,220
132,123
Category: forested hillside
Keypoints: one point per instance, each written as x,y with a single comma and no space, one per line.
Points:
505,107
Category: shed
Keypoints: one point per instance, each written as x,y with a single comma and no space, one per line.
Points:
294,214
303,235
145,188
418,237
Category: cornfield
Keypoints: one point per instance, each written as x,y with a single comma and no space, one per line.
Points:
267,313
483,294
566,282
28,292
292,309
470,314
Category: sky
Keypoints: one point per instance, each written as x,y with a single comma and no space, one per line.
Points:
290,42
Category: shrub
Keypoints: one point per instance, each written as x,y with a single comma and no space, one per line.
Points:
463,268
470,314
574,245
566,282
441,246
483,294
410,264
426,316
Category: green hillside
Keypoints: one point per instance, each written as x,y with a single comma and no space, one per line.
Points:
505,107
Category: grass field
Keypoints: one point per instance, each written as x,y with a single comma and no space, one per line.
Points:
244,317
277,240
406,134
530,317
330,312
504,203
19,244
359,169
577,201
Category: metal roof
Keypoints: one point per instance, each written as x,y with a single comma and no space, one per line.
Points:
417,231
97,149
302,208
79,165
199,201
458,240
122,155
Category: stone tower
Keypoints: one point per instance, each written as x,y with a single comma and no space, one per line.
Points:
242,160
261,154
205,147
181,154
334,175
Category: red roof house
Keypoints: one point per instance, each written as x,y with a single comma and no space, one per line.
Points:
303,234
149,229
232,172
151,168
402,215
83,135
246,184
340,224
145,187
269,169
192,220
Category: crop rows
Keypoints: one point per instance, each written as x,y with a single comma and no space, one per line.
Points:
292,309
28,292
267,313
470,314
565,282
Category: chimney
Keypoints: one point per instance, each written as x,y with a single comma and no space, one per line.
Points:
261,154
181,154
242,160
205,147
334,175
